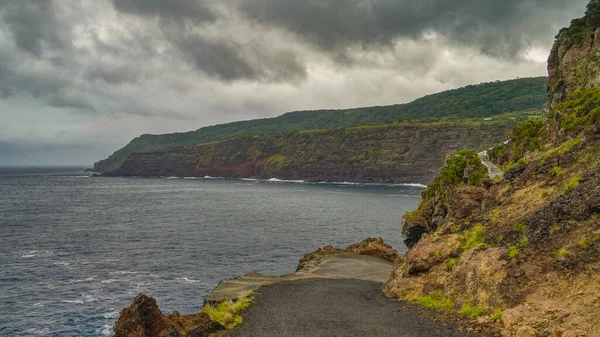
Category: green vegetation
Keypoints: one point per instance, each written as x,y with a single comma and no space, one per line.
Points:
557,171
581,109
497,314
562,254
465,162
436,300
473,238
513,252
504,102
472,311
524,241
584,26
226,313
521,228
526,137
518,163
584,242
555,228
573,183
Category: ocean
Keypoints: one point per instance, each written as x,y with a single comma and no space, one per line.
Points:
75,250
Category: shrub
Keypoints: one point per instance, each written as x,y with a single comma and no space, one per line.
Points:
513,252
524,241
472,311
584,242
555,228
474,238
226,313
436,300
573,183
562,254
557,171
521,228
497,314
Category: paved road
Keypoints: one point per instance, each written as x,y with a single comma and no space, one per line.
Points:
333,307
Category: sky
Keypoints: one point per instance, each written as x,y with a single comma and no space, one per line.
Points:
80,78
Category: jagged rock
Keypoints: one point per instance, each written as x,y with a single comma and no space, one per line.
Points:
143,318
371,246
430,252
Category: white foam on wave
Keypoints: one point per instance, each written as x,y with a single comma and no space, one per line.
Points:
89,279
170,177
106,330
111,314
37,253
109,281
123,272
38,331
188,280
72,301
414,185
248,179
40,304
275,180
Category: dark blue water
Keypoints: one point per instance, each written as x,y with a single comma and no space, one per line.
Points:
75,250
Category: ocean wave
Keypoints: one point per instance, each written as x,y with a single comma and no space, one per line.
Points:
275,180
414,185
123,272
109,281
170,177
37,253
40,304
188,280
72,301
106,330
38,331
89,279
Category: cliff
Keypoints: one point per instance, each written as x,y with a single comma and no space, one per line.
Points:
397,153
518,256
473,102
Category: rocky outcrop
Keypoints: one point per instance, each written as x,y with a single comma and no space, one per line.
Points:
143,318
371,247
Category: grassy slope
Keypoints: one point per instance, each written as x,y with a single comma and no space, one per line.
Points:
471,102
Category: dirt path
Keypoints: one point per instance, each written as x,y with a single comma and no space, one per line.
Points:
333,307
493,170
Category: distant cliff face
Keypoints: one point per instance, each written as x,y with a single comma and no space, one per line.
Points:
471,103
372,154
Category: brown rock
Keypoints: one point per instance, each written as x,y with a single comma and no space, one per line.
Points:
371,246
143,318
430,252
526,331
574,333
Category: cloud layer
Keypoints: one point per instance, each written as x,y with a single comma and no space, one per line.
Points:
83,77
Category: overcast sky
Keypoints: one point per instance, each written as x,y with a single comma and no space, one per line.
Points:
79,79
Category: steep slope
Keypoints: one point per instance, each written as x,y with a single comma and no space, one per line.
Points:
396,153
520,255
471,102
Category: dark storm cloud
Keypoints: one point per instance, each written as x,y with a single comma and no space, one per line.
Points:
34,25
229,60
194,10
500,28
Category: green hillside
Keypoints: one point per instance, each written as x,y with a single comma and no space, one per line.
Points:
469,103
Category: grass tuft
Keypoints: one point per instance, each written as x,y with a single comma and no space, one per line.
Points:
226,313
436,300
472,311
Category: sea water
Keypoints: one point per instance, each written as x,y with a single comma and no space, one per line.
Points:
75,250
